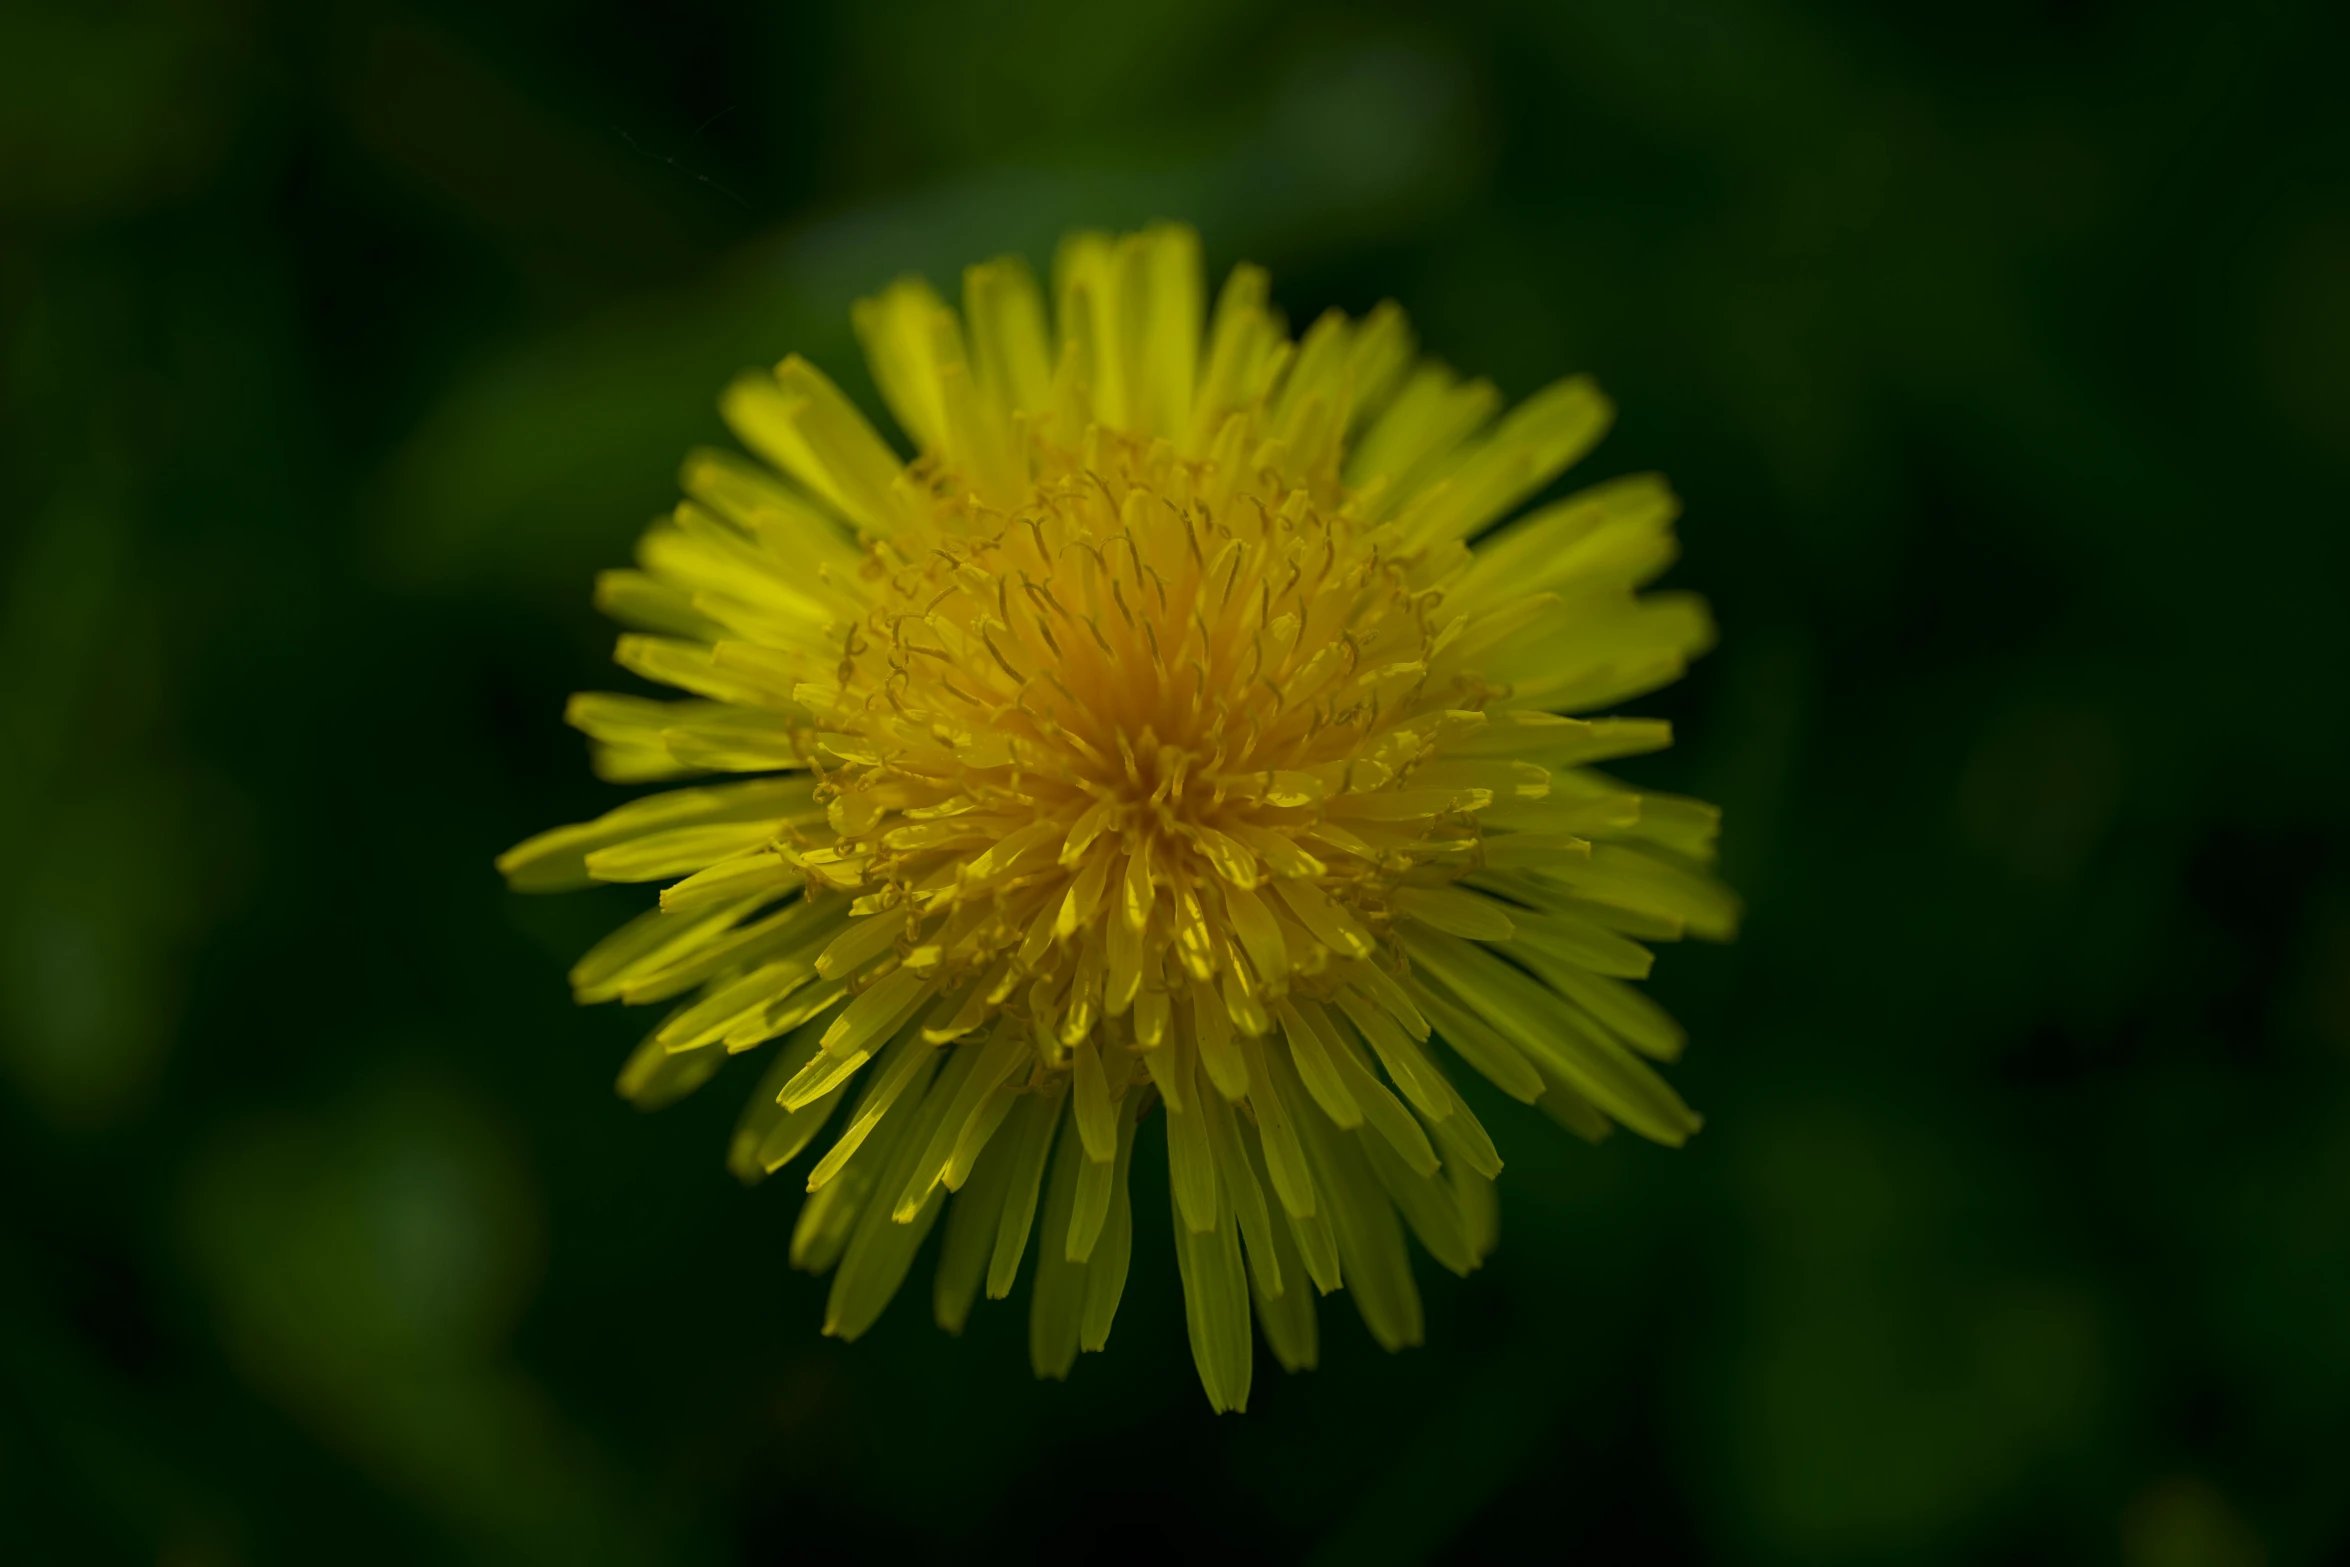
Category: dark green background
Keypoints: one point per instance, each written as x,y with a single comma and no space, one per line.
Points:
2002,352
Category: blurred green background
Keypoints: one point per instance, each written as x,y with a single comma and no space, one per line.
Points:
2002,352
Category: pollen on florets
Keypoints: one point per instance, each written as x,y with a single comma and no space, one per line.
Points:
1106,749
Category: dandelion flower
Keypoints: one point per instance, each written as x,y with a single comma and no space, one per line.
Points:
1183,728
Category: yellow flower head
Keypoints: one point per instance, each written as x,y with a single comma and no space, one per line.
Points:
1155,737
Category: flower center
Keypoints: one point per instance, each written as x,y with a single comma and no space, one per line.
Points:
1114,714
